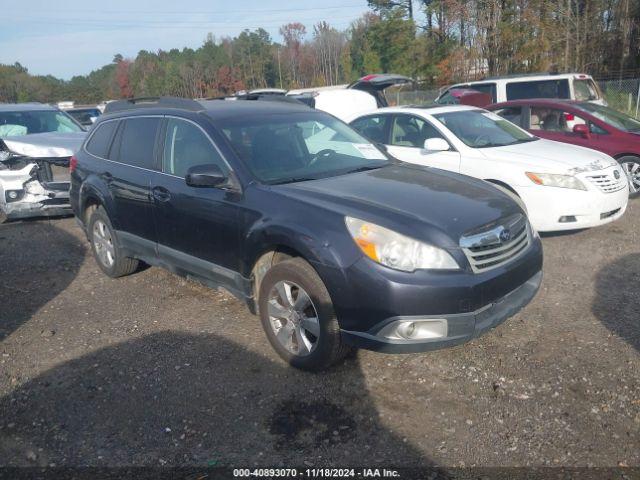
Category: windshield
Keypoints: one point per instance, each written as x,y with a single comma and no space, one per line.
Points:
585,89
611,117
17,124
297,147
480,129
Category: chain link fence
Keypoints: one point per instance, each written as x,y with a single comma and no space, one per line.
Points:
622,95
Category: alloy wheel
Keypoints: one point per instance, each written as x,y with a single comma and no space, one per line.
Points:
293,318
632,170
103,243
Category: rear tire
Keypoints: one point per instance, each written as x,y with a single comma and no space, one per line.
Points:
105,246
298,316
631,166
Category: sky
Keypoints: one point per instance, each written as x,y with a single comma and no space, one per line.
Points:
73,37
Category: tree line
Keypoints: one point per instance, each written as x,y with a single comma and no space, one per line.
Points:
435,41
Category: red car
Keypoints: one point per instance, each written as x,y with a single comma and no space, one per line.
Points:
580,123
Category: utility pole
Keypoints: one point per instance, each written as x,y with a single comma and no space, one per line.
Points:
279,68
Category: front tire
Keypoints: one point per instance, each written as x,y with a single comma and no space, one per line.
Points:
106,248
298,316
631,166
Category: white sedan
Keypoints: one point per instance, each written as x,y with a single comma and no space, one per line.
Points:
563,187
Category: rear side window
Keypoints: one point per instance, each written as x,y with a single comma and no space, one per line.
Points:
100,141
374,127
538,89
137,142
488,88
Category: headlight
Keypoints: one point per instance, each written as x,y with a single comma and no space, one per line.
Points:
555,180
395,250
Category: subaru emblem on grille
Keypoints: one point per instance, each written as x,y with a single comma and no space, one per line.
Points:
505,235
616,173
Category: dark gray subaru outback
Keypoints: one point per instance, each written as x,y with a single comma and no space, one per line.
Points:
333,243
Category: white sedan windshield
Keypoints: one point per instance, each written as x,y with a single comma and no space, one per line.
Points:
17,124
480,129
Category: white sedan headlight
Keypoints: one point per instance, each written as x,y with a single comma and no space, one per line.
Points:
395,250
556,180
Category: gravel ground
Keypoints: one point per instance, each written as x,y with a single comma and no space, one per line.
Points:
155,370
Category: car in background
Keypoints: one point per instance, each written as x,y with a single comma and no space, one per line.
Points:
581,123
573,86
85,116
344,101
333,243
36,144
563,187
466,96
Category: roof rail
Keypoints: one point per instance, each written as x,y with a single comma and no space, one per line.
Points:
151,102
517,75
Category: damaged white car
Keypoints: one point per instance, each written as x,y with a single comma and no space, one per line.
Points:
36,143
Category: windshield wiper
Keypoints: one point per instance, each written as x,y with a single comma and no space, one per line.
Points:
293,180
363,169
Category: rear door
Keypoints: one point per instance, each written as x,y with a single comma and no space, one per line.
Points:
129,175
198,227
407,136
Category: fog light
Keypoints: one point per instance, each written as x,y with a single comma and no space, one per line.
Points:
13,195
407,329
418,329
567,219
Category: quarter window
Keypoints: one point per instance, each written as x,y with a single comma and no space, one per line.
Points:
137,141
374,128
100,141
186,146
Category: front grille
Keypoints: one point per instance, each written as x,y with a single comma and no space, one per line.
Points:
607,183
493,248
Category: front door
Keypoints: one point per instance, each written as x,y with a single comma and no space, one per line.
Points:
406,143
197,227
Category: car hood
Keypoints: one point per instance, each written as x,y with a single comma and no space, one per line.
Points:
46,145
553,157
428,204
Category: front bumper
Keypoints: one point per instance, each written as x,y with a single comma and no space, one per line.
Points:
39,202
588,208
461,327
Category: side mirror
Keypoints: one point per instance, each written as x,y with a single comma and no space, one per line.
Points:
205,176
581,129
436,145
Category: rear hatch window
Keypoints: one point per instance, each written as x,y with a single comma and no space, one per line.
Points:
538,89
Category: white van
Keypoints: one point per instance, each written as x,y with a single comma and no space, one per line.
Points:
569,86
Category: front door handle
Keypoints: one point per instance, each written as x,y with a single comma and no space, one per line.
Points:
161,194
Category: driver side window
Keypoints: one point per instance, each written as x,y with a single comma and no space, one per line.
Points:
186,146
410,131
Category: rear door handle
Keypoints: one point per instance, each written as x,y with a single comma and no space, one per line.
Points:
161,194
107,177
